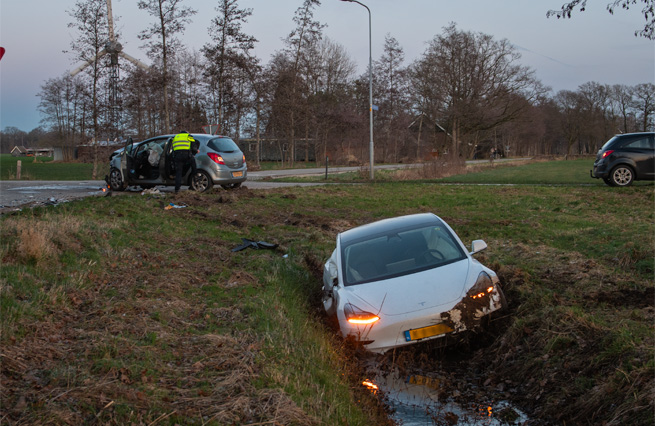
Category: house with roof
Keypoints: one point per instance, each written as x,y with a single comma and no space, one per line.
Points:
19,151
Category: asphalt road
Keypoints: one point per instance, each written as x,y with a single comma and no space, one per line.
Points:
17,194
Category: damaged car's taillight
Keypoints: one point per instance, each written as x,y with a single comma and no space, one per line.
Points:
216,158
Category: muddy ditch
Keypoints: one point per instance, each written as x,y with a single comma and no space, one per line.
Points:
436,382
526,368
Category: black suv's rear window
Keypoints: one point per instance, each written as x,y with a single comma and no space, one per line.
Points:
222,145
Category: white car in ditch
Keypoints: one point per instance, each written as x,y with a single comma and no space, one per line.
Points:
407,279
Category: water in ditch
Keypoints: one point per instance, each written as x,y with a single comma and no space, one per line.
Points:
421,400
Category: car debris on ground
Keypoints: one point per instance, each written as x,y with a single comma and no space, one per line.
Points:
175,206
151,191
246,243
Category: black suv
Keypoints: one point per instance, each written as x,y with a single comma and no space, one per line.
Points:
626,158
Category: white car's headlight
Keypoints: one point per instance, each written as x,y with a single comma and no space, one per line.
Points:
482,287
356,316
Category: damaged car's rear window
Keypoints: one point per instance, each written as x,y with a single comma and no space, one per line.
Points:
222,145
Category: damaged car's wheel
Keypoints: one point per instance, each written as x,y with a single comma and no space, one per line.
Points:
201,182
116,180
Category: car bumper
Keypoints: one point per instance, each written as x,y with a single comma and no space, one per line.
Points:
599,171
222,175
401,330
228,176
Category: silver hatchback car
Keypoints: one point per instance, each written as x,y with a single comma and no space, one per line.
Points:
149,163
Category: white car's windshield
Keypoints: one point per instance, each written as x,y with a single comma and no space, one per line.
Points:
400,252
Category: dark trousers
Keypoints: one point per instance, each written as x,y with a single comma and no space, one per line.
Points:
182,158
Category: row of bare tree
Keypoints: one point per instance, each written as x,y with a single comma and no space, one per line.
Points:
467,93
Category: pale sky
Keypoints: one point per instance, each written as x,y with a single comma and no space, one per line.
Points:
592,46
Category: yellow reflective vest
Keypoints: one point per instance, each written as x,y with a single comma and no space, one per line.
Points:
182,141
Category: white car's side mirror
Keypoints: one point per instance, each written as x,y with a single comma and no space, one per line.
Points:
477,246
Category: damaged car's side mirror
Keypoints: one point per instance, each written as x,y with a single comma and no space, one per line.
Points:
330,276
330,273
477,246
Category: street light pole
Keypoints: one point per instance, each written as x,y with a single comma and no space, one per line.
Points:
370,87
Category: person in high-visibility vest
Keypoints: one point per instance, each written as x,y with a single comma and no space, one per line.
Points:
183,155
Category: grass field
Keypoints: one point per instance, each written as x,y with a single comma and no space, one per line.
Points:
561,172
46,169
115,310
43,168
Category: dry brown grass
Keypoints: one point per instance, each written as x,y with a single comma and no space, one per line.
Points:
440,167
131,350
24,175
46,237
40,239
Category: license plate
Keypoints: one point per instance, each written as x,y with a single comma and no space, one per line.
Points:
428,382
422,333
237,174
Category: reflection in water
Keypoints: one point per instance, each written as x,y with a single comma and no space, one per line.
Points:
415,401
370,385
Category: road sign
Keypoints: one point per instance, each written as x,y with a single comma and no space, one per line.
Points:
210,129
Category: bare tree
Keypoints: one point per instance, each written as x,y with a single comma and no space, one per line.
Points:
475,83
644,104
648,10
171,18
64,104
281,98
11,137
425,99
258,98
622,98
228,55
570,106
598,120
330,98
391,92
93,33
190,112
306,34
139,90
